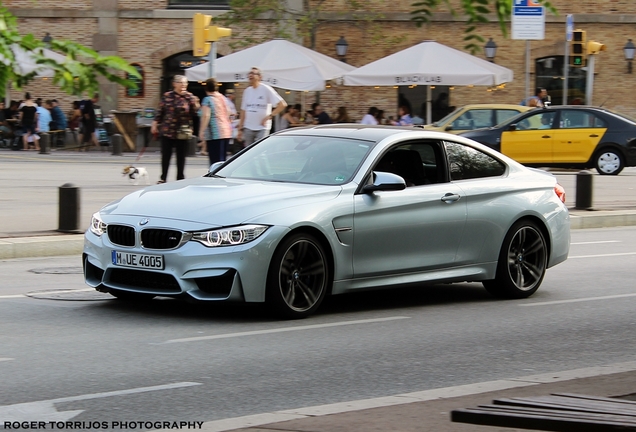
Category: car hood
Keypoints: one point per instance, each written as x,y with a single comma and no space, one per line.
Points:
224,201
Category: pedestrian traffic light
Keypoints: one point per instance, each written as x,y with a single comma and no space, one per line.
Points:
200,26
578,49
215,33
594,47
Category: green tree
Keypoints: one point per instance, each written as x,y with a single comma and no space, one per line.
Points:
76,75
476,12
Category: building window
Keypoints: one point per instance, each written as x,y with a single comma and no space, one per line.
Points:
198,4
549,75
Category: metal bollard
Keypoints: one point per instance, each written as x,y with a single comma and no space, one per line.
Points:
583,190
69,211
45,143
117,140
192,146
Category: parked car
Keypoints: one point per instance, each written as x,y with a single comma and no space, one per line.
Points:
330,209
469,117
566,136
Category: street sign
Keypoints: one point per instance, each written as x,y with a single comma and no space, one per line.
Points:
528,20
569,27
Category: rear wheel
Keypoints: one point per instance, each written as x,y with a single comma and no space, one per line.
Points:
608,162
522,262
299,277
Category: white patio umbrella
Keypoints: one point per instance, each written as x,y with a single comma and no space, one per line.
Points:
284,64
429,63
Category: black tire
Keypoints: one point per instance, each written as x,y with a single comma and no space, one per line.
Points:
299,277
130,296
608,161
522,262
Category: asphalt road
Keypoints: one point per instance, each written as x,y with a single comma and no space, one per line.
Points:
31,183
69,353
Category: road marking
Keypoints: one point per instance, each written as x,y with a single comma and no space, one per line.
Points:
45,410
578,300
597,242
405,398
280,330
64,291
5,359
602,255
12,296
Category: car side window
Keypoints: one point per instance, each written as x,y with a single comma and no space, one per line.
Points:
504,114
466,162
540,120
416,162
576,119
474,119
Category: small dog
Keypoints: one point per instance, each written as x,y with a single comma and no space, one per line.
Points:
135,173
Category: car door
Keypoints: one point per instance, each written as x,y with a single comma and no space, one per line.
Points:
411,230
532,139
578,135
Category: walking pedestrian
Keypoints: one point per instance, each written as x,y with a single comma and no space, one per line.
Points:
260,104
215,126
173,121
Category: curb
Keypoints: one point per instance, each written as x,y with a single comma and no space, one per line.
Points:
31,247
602,219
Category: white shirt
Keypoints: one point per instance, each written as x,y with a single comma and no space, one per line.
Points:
368,119
257,104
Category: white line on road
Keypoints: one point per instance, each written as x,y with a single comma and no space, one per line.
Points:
45,410
12,296
577,300
596,242
30,294
5,359
602,255
281,330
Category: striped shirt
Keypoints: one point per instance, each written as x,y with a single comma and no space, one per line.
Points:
219,126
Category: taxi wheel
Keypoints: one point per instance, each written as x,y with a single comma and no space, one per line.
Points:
608,161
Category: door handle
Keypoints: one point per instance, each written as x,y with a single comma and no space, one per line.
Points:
450,198
593,136
546,136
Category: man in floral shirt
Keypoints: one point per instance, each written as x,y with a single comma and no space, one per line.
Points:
175,113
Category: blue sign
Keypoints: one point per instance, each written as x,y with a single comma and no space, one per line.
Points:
569,27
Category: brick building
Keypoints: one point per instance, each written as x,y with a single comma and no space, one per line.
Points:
156,35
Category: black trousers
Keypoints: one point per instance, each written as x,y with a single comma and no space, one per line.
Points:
181,146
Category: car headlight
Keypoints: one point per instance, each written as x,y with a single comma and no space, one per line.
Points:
98,227
231,236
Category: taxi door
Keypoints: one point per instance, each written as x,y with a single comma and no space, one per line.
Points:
578,135
532,140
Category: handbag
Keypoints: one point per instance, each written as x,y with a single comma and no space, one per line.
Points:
184,133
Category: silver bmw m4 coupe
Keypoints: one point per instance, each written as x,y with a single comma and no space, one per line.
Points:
324,210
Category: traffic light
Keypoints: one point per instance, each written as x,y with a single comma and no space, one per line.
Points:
215,33
594,47
578,49
200,26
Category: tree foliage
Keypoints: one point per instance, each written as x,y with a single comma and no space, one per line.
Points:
476,12
76,75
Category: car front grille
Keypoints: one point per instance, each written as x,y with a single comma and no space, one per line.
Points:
160,238
145,280
122,235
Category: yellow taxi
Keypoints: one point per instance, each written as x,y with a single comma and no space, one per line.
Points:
476,116
565,136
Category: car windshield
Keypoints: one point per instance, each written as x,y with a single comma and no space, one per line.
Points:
513,119
299,159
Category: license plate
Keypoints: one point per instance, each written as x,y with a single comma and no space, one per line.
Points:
127,259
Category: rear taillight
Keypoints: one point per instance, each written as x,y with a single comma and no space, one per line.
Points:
560,191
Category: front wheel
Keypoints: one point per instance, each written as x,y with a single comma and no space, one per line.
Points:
299,277
522,263
608,162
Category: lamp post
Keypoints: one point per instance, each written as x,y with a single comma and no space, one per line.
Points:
629,49
341,48
491,50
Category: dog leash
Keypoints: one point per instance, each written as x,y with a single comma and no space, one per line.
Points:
143,149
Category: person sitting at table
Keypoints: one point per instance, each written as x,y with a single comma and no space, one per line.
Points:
4,125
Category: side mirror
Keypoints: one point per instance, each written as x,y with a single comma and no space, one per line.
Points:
449,127
215,166
512,127
384,181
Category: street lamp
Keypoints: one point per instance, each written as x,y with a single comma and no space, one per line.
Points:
47,39
629,49
491,50
341,48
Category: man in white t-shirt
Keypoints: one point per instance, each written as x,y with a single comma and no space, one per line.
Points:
256,109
